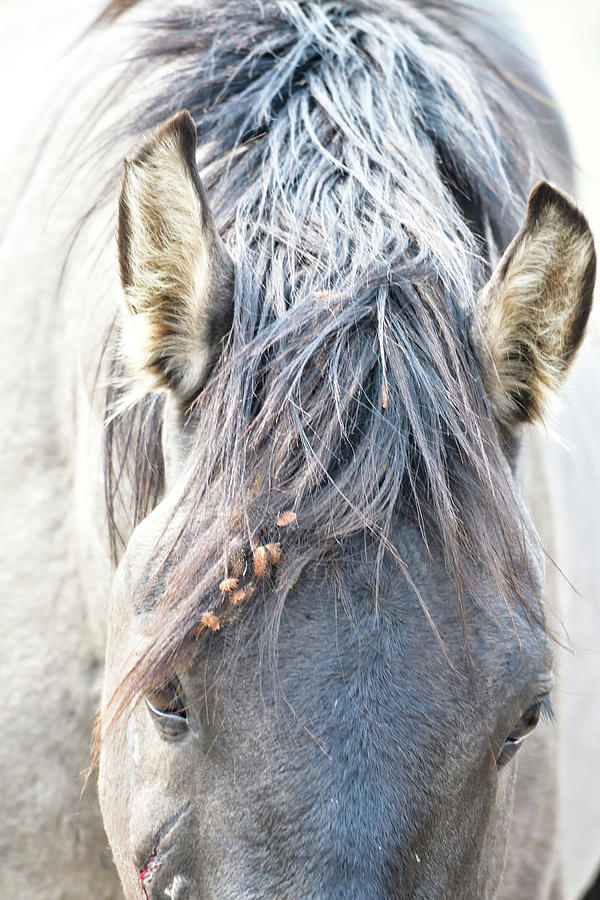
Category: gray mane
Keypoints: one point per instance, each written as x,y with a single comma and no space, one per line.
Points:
361,160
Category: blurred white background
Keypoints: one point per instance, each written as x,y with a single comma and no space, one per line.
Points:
566,37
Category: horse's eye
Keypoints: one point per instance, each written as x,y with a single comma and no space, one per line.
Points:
167,707
524,727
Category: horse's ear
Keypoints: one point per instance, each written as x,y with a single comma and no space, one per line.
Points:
175,270
534,309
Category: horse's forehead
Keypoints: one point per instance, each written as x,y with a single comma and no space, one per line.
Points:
403,602
411,566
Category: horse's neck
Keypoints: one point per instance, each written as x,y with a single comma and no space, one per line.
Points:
571,472
52,510
54,320
561,479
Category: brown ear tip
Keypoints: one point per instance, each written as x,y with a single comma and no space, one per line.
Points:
546,195
181,124
184,119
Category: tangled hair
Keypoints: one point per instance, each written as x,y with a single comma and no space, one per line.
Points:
362,161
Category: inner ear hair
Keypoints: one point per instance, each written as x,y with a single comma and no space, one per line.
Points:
176,273
534,309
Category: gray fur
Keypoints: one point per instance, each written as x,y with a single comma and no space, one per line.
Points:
345,719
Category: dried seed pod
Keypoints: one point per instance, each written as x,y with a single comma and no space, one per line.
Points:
238,596
228,584
274,551
209,620
260,562
384,397
285,518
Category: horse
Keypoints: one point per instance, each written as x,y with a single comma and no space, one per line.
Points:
276,491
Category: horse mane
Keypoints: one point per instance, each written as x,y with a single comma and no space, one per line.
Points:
362,161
